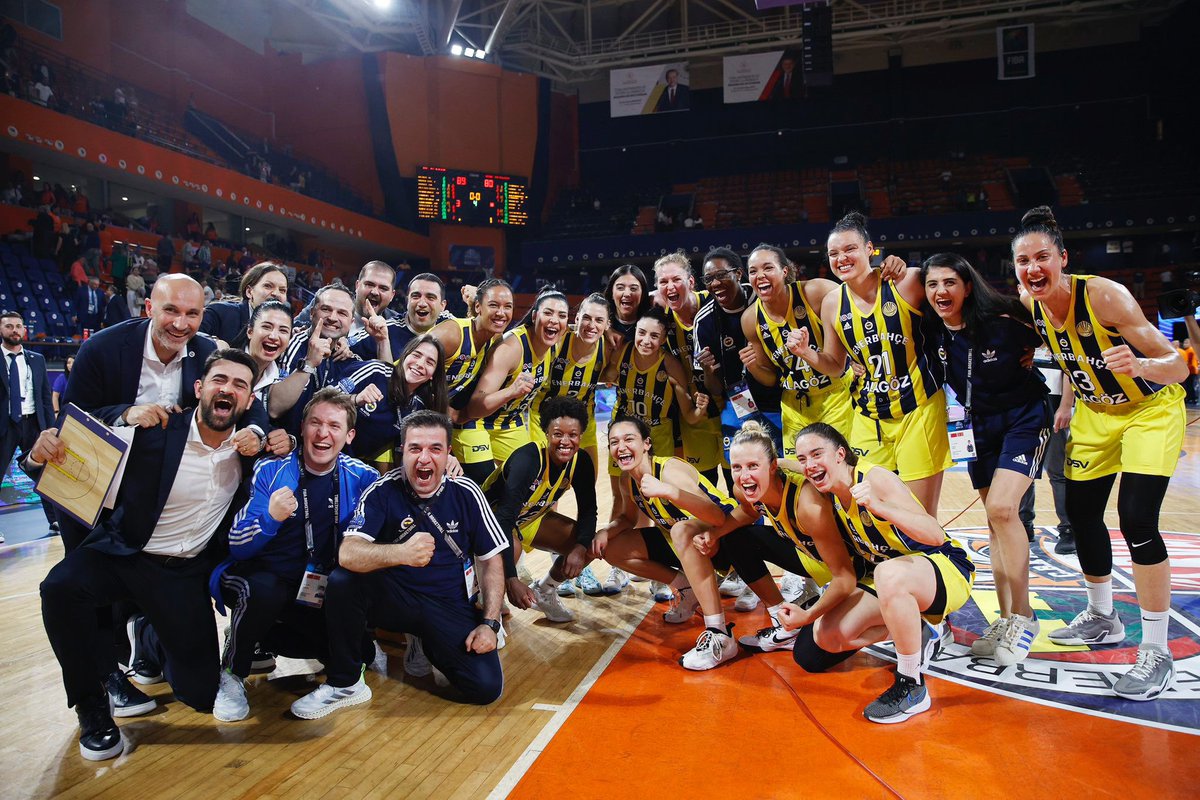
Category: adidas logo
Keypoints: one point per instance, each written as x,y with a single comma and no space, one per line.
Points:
1021,460
989,355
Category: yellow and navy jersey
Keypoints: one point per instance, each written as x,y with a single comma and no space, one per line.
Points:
665,514
1077,348
794,372
647,395
542,491
783,519
680,340
463,365
889,342
875,540
515,414
570,378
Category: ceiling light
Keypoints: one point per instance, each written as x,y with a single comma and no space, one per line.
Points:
36,178
455,49
383,5
469,52
247,230
125,199
480,53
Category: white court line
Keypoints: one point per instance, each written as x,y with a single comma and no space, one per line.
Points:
546,707
535,748
15,596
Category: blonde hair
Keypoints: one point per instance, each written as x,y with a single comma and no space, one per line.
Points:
754,432
679,258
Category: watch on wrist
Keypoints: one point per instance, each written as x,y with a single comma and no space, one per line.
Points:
309,368
494,624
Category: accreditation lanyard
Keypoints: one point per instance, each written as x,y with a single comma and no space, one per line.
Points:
961,437
469,583
316,574
309,540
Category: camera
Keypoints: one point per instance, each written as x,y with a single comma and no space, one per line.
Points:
1181,302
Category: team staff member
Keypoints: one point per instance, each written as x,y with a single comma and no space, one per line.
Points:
1129,419
227,320
26,393
628,295
523,492
286,536
426,307
919,573
408,563
268,335
983,340
900,422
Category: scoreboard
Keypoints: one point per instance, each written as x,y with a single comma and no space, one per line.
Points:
471,198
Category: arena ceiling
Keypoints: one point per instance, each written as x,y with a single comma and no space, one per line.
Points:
574,41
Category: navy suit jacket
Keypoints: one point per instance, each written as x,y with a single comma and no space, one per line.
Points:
116,311
227,320
42,404
87,320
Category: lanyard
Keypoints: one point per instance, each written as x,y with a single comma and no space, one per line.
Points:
970,363
424,507
308,529
951,335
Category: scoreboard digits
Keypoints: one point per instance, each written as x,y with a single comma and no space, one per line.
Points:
471,198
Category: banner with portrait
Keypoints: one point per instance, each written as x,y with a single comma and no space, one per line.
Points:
649,90
754,77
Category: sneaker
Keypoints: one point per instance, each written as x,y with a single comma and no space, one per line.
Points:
733,585
1151,675
985,645
747,600
142,667
933,638
713,648
567,588
326,699
905,699
616,581
1090,627
439,679
231,704
127,699
99,736
523,574
661,591
1065,546
792,586
1017,640
683,607
379,664
637,578
261,662
589,584
548,603
416,664
770,639
501,638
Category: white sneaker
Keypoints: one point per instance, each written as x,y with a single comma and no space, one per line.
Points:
231,704
712,649
326,699
985,645
550,604
1017,640
439,679
747,600
661,591
637,578
616,581
415,662
792,586
770,639
683,607
733,585
523,574
379,663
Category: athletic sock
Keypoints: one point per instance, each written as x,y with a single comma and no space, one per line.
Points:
547,582
773,612
1099,597
715,621
680,582
1154,628
909,665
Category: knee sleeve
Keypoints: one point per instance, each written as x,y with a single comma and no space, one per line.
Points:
813,658
739,549
1085,508
1138,503
479,471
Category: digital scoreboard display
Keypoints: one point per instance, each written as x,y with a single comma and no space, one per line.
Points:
471,198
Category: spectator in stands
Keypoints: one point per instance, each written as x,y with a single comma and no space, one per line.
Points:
12,194
204,254
119,263
135,291
77,276
150,273
193,226
91,249
246,260
114,312
1167,279
41,93
89,306
190,249
1189,383
210,234
166,252
1139,284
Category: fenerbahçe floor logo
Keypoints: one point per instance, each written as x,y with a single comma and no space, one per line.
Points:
1079,678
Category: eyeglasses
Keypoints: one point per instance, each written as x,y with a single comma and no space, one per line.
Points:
717,277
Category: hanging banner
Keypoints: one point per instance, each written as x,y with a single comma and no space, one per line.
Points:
1014,52
649,90
762,76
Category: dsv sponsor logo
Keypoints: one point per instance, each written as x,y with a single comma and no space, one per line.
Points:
1077,464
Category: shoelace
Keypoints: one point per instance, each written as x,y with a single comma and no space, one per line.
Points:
1085,616
996,630
1147,660
898,692
709,641
1012,634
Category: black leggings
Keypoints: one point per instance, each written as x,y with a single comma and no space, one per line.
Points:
749,548
1138,502
479,471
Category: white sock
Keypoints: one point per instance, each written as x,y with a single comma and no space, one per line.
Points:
1099,596
548,582
773,612
1154,628
680,582
909,665
715,621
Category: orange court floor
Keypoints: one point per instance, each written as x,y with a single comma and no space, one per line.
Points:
600,708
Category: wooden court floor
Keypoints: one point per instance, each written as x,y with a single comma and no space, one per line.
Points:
599,708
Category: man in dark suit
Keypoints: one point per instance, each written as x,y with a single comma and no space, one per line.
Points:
25,391
89,306
787,85
114,312
675,95
182,482
227,320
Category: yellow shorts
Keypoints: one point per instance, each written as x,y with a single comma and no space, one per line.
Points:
831,406
702,444
471,444
1143,437
817,570
914,446
506,441
661,436
528,532
953,591
588,440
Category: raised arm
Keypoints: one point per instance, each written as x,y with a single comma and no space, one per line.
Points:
680,486
885,495
831,359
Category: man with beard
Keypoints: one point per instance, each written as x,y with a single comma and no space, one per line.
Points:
426,306
30,406
182,480
227,320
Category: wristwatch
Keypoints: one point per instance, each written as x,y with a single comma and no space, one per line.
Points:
494,624
309,368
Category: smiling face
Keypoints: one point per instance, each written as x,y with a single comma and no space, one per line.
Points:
425,302
823,463
271,286
563,435
175,307
648,336
849,255
1039,264
766,274
426,451
325,432
591,322
270,336
627,296
946,292
675,284
752,468
332,317
224,394
550,321
723,281
626,445
419,366
495,309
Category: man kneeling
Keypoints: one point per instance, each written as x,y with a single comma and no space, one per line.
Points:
408,564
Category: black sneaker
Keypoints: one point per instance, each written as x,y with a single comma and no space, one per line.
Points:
905,699
127,699
142,667
261,662
99,736
1066,541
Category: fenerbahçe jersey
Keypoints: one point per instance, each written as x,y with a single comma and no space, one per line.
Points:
784,521
463,365
543,493
646,395
795,375
889,343
569,378
515,414
1077,349
665,514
